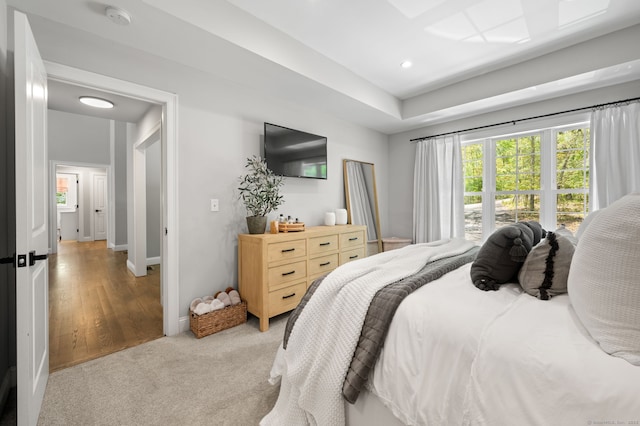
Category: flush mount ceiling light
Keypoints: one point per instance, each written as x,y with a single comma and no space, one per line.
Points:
406,64
117,15
96,102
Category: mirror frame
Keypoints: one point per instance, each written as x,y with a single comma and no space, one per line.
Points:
375,198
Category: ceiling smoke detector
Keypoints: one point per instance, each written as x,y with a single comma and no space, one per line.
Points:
117,15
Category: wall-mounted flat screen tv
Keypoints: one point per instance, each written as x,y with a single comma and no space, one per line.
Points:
294,153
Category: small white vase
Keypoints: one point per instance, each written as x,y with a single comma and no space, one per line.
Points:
341,216
329,218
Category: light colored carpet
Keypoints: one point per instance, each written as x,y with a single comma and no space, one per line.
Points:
217,380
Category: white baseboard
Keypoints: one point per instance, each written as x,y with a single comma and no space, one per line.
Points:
184,324
131,267
120,247
153,260
86,239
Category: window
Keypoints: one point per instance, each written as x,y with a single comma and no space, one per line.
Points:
540,175
66,191
62,190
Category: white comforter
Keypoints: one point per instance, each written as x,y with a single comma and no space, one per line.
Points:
456,355
321,345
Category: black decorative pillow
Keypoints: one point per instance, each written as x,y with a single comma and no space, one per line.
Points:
501,256
545,272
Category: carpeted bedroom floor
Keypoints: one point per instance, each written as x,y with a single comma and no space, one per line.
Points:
217,380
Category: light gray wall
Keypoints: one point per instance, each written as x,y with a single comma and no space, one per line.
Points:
7,213
120,182
154,206
78,138
220,125
145,130
402,152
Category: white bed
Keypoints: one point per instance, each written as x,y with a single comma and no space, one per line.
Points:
457,355
491,358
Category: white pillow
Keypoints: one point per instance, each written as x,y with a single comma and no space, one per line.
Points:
563,231
545,271
604,279
585,223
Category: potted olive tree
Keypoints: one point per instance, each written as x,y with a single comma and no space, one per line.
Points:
260,192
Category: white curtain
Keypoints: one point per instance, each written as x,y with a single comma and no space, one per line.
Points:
615,154
360,200
438,190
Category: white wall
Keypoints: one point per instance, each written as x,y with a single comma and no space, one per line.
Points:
402,152
78,138
154,204
139,133
220,125
120,183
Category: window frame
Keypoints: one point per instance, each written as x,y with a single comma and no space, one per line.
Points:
548,131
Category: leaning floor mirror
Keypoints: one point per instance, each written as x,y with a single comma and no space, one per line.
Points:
362,201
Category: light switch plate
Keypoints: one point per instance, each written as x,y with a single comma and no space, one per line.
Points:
214,205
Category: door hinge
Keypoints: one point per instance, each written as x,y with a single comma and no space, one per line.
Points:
165,231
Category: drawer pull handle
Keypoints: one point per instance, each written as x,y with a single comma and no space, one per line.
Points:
288,250
325,244
284,274
286,297
325,263
353,239
355,256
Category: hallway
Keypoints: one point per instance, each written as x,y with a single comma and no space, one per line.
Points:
96,305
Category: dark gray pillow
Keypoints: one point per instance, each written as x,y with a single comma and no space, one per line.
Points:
502,255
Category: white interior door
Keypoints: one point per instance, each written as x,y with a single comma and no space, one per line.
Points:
31,223
99,207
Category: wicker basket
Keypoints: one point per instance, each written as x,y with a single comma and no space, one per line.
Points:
212,322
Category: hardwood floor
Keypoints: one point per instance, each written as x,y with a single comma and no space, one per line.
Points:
96,305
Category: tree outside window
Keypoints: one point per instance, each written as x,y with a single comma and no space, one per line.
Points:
541,176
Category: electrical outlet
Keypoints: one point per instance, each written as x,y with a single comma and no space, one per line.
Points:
214,205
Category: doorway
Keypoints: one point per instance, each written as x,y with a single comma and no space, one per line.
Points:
96,305
168,103
125,315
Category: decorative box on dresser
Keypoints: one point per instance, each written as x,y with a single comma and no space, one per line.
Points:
275,270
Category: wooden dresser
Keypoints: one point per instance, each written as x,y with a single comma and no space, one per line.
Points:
275,270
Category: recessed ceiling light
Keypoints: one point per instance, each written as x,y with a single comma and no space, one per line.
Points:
96,102
406,64
117,15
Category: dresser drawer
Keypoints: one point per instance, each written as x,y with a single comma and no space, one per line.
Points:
349,255
286,250
285,274
286,299
323,264
351,239
318,245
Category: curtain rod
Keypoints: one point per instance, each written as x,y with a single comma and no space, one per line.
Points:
526,119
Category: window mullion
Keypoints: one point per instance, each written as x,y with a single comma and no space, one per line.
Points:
548,176
489,189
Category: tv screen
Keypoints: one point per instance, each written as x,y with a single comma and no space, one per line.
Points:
294,153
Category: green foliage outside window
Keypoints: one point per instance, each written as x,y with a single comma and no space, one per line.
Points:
518,168
61,198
